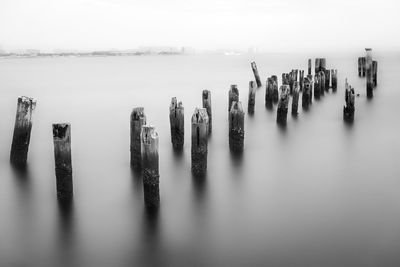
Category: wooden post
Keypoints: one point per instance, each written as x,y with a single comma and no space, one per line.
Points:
369,74
138,119
317,65
327,79
281,115
307,93
375,72
62,156
295,98
151,176
334,80
359,66
301,80
233,95
322,82
309,66
363,65
322,63
207,106
269,92
255,71
275,92
348,109
285,79
317,85
199,142
177,121
22,131
252,97
236,127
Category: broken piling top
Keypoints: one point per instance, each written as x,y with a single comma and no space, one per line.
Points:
199,127
176,107
255,72
62,132
138,115
149,138
236,117
25,107
233,95
206,97
284,96
138,119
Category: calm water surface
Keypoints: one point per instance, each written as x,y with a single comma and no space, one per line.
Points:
317,193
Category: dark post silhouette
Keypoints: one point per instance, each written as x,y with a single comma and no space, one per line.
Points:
322,82
255,71
327,79
295,98
252,97
207,106
199,142
309,66
317,85
22,131
375,72
348,109
275,91
176,119
369,74
360,61
269,90
281,115
307,93
151,176
233,95
236,127
138,119
301,80
334,80
62,156
317,65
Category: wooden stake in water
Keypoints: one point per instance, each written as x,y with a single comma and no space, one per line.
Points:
322,82
275,91
317,65
281,114
269,91
236,127
199,142
62,156
375,72
233,95
307,93
255,71
22,131
348,109
151,176
369,73
309,66
317,85
207,106
295,98
301,80
327,79
177,122
360,66
252,97
137,120
334,80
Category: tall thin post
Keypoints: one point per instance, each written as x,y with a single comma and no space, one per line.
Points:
301,80
199,142
327,79
307,93
151,176
334,80
375,72
322,82
275,91
295,98
22,131
348,109
317,85
309,66
207,106
236,127
62,156
252,97
255,71
137,120
177,122
369,74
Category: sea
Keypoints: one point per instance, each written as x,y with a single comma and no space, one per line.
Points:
318,192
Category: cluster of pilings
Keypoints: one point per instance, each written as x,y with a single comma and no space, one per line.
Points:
348,109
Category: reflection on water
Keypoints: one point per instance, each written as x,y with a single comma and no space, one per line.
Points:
317,192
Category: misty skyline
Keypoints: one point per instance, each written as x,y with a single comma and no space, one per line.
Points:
287,25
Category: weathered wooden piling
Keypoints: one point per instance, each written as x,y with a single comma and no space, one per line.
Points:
307,92
233,95
317,65
207,106
363,67
177,122
309,66
295,98
375,72
22,131
255,71
301,79
275,91
327,79
285,79
322,64
322,82
369,73
282,110
252,97
317,85
138,119
236,127
199,142
334,80
348,109
62,156
151,176
360,67
269,92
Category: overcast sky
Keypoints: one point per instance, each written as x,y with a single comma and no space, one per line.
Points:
275,25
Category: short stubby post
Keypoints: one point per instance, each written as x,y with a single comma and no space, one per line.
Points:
137,120
199,142
177,123
62,156
236,127
281,114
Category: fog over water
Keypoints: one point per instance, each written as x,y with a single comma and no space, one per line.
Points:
316,193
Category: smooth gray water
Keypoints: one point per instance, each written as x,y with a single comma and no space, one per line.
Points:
318,193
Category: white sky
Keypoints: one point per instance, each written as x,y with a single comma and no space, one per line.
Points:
275,25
